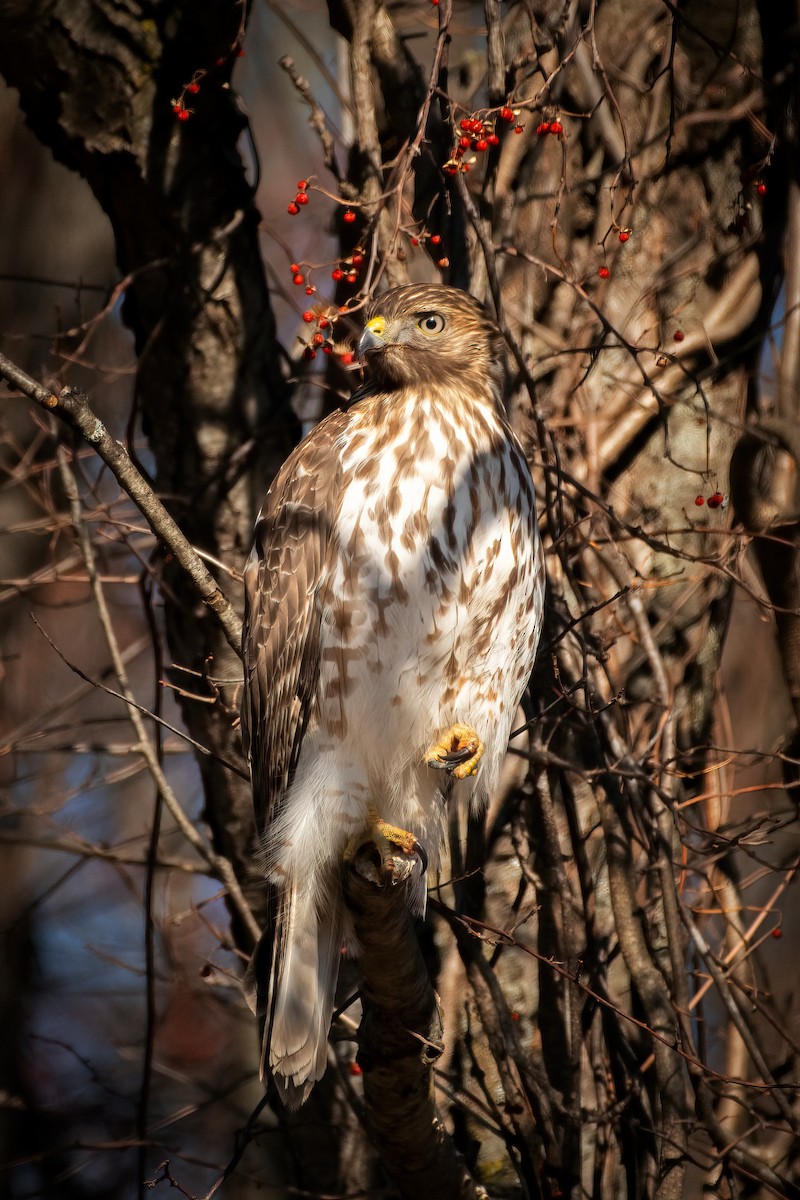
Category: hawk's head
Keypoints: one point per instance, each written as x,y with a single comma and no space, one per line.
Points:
431,335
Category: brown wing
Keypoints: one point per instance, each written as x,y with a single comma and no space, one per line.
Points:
281,622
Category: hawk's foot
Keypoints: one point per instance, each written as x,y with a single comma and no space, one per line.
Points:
458,752
391,843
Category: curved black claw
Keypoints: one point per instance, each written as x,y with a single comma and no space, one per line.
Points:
449,761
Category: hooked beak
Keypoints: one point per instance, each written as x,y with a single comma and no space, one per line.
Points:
372,337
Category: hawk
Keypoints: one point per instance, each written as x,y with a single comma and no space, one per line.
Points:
393,607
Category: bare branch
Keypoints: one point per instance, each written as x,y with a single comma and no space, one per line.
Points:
74,410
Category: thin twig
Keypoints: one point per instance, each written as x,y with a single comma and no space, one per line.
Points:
73,408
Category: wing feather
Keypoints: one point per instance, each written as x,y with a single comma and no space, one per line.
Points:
281,671
282,616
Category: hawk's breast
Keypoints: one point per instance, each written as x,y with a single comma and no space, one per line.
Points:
428,607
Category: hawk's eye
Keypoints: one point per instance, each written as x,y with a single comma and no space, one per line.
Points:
431,323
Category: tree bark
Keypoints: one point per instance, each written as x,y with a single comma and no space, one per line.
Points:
97,83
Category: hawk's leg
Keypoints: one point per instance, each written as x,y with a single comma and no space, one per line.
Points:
458,752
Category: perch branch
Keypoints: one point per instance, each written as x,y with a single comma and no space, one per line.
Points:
400,1034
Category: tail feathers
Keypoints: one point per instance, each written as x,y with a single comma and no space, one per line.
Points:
299,995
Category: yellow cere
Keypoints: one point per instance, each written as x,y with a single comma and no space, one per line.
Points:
377,325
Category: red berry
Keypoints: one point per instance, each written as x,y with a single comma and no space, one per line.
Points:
302,185
415,241
357,259
761,190
699,501
493,139
355,1069
437,237
349,216
294,268
309,316
465,123
624,235
318,339
715,500
309,353
556,127
518,128
327,348
323,323
443,262
678,335
543,127
481,145
352,278
464,142
777,933
336,274
301,198
292,209
298,279
451,170
346,358
310,290
182,114
506,114
194,88
604,272
515,1016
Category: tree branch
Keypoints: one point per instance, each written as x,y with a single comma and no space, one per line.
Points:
400,1032
73,408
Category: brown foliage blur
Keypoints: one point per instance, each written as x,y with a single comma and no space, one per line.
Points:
613,948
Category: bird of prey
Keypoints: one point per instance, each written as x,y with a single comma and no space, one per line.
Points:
393,607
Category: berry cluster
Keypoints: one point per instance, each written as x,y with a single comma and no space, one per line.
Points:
715,501
347,268
189,89
475,135
478,134
435,239
553,127
624,236
323,318
298,279
321,338
508,114
179,108
300,200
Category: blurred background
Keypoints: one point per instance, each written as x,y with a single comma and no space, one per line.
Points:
77,814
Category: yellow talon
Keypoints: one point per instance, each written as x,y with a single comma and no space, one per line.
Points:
386,837
401,838
459,752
